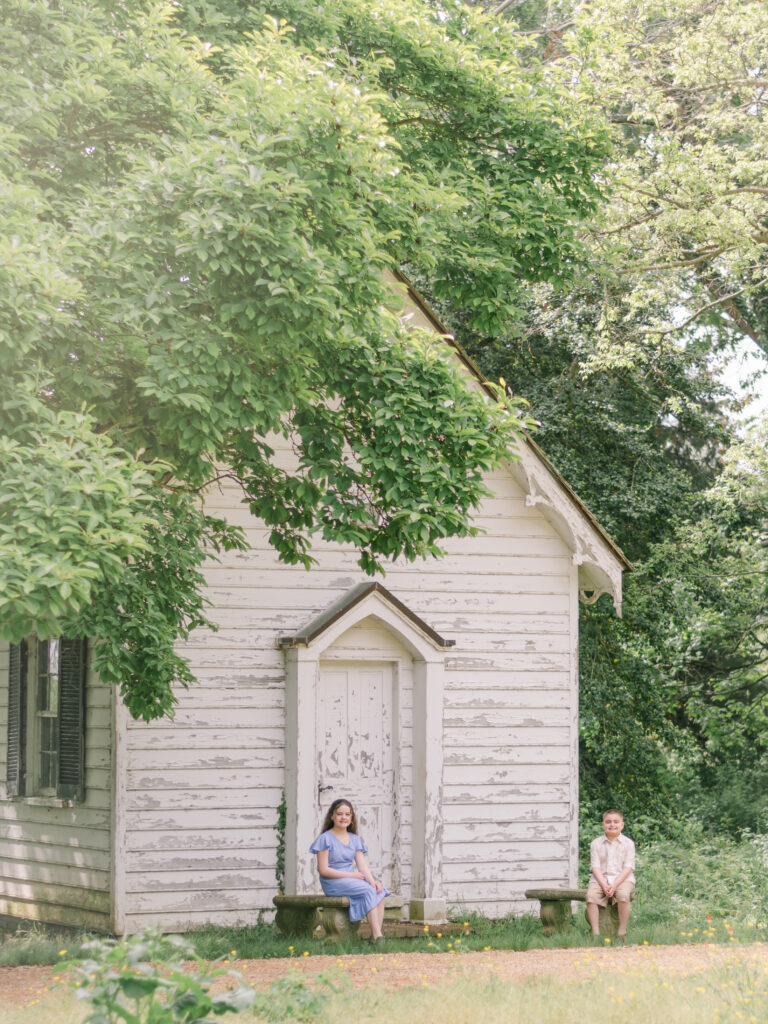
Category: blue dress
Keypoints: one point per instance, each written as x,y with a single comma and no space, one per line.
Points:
362,895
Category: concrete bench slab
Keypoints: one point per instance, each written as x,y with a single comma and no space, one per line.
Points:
555,910
302,915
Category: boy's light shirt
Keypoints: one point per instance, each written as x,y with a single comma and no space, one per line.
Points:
611,856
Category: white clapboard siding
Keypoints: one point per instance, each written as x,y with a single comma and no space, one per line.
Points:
487,832
503,853
212,757
198,791
56,860
162,737
181,862
236,837
200,800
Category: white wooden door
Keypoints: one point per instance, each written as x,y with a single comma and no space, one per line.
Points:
354,752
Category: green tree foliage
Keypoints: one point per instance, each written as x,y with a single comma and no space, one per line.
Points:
706,612
685,85
620,371
682,237
638,446
199,206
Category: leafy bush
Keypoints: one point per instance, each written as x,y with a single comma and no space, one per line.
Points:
142,980
694,876
288,998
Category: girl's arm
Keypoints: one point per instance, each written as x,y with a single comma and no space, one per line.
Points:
365,871
326,872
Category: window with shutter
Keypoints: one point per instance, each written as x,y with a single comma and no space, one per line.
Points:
46,718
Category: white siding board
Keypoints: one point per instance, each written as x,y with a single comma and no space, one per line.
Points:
165,883
465,807
26,850
51,873
515,784
212,901
531,755
502,853
39,836
205,839
500,881
523,817
504,699
485,833
189,821
200,779
536,597
478,739
179,922
451,573
485,722
216,718
511,682
166,737
212,757
184,862
465,775
237,696
205,800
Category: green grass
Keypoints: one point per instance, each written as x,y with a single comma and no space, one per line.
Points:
38,947
724,995
716,996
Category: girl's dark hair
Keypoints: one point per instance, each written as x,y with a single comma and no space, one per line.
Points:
328,823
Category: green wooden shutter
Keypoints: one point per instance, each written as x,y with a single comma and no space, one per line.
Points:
17,718
72,666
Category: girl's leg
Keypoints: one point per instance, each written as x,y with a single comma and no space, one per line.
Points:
375,919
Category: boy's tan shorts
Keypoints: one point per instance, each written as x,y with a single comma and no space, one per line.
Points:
596,895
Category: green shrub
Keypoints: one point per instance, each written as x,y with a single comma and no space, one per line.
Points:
289,998
695,876
142,980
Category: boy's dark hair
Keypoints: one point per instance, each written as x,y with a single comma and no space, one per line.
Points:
328,823
612,810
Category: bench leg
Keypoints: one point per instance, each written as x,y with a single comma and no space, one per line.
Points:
336,925
608,920
555,916
297,921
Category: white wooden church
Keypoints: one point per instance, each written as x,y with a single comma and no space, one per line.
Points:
443,701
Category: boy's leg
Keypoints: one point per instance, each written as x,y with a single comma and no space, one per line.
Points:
595,900
624,909
623,896
593,916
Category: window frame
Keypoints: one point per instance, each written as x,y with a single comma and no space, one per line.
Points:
24,749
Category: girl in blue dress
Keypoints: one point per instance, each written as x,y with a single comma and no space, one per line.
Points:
343,868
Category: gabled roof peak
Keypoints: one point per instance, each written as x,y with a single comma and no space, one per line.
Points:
347,602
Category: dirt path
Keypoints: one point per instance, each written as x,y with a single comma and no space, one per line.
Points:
21,986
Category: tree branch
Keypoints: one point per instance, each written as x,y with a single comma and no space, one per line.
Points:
706,255
697,314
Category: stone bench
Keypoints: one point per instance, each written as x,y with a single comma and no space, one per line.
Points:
303,915
555,910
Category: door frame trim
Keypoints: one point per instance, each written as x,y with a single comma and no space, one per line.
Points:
302,673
